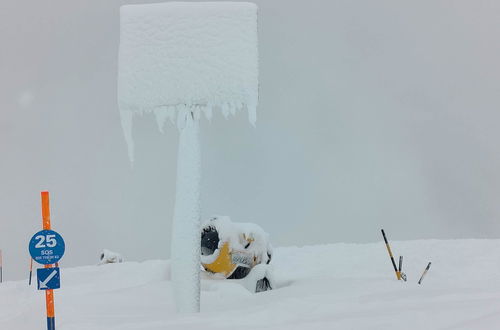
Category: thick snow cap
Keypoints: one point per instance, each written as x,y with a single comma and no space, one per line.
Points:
182,57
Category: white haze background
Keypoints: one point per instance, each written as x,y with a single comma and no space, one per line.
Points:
372,114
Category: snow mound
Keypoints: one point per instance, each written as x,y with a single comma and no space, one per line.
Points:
180,57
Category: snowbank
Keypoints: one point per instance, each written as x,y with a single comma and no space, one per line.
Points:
338,286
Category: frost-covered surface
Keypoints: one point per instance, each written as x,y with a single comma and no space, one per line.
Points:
238,235
339,286
179,60
187,56
185,243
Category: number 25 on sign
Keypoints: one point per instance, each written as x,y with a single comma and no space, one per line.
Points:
47,247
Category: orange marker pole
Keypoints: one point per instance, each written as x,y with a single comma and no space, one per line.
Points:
49,294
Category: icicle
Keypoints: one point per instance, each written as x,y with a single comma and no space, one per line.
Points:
182,113
232,108
224,108
252,113
127,119
161,115
197,109
208,112
171,113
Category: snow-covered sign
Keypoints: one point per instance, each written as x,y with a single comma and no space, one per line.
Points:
184,56
180,60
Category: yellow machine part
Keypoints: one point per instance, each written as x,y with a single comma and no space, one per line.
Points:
223,264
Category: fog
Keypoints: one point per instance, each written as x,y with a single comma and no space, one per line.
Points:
372,114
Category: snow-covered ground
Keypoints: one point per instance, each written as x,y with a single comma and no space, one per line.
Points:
338,286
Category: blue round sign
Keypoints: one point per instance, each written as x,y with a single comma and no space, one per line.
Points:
47,247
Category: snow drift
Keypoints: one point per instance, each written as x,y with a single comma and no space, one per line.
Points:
338,286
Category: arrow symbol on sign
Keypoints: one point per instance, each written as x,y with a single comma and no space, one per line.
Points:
43,284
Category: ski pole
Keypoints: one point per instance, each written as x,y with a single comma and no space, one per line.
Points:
31,271
400,268
425,272
398,274
1,267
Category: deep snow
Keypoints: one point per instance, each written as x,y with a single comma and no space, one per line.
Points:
338,286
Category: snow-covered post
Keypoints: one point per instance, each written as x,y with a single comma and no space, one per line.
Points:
179,60
185,243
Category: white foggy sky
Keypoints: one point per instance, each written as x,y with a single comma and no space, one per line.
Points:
372,114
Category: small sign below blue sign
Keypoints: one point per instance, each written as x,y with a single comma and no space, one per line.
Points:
48,278
47,247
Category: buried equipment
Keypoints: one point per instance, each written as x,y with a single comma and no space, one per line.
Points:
238,252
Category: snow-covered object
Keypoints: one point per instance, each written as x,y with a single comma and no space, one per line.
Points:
185,243
110,257
238,235
179,57
258,273
179,60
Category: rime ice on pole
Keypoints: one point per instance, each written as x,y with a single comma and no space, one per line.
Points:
176,57
179,60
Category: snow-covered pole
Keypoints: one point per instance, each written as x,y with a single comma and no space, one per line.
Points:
179,60
185,244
